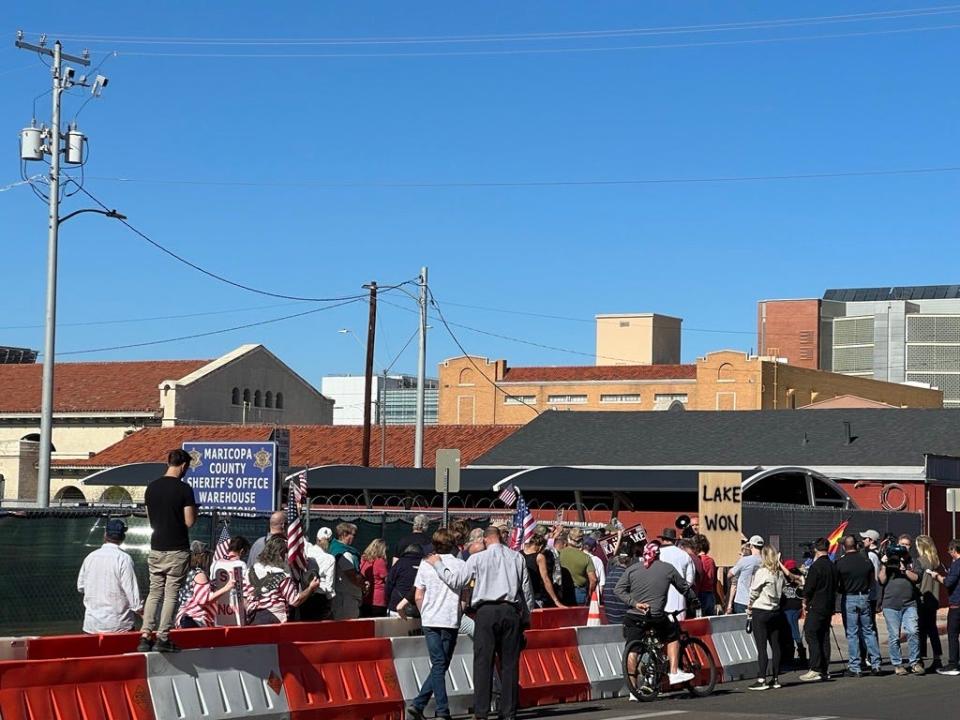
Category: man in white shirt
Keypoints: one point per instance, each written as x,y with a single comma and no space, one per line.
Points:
107,580
670,553
440,612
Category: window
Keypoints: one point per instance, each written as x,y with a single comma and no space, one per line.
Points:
466,377
624,323
246,396
567,399
853,345
279,401
257,399
235,396
663,401
519,399
628,398
725,373
268,399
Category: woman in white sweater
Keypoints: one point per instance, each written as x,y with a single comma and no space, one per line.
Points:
764,612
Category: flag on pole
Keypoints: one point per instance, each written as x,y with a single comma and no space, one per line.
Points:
523,525
223,544
834,537
508,496
296,556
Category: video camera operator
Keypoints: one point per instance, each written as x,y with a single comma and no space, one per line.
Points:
899,581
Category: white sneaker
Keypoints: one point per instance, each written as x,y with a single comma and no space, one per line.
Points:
633,698
678,678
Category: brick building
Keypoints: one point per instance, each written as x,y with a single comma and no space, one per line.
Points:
475,390
900,334
97,404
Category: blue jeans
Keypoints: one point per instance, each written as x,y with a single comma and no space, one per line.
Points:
793,619
739,608
441,642
905,620
580,593
859,623
708,604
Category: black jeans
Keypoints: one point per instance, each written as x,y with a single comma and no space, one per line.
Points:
816,630
766,626
498,634
953,635
927,620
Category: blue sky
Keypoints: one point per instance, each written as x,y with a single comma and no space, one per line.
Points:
308,128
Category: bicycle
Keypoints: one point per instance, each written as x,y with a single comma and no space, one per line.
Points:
649,678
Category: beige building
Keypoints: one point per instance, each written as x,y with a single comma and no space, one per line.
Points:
475,390
98,404
638,339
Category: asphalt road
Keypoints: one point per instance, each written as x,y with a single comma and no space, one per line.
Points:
887,697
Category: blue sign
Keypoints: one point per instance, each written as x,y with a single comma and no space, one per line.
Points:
236,476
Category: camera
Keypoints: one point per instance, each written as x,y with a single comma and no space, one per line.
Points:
897,555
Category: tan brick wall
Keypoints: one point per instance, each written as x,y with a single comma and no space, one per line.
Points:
726,380
786,386
638,339
467,399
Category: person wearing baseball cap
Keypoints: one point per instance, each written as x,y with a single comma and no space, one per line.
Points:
111,597
741,575
871,548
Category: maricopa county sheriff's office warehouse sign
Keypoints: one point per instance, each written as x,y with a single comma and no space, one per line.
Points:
238,476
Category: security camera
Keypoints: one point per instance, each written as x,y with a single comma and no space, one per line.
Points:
98,85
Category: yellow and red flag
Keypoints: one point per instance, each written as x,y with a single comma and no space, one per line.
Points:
835,537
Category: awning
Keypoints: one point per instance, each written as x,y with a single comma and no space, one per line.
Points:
132,475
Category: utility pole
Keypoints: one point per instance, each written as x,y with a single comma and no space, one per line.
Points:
53,227
368,372
421,369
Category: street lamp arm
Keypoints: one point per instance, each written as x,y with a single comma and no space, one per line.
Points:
107,213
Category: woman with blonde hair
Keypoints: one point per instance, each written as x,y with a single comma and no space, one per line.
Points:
929,600
373,568
763,611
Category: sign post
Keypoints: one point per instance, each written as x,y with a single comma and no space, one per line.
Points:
448,478
233,476
953,499
721,513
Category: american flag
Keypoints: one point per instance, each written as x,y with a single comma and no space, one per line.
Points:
523,525
296,557
223,544
508,496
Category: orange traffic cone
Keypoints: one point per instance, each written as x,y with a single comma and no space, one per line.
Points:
593,614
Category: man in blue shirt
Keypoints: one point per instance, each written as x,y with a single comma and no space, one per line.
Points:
951,581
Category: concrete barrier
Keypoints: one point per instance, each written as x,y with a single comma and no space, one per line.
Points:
236,682
736,650
14,648
412,662
601,650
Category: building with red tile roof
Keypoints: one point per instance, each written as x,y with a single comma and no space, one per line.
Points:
97,404
310,446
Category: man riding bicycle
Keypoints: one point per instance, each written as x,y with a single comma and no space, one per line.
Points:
643,588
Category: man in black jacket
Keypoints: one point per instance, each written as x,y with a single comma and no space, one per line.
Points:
856,577
819,600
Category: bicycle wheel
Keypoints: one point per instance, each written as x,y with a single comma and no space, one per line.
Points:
643,682
696,658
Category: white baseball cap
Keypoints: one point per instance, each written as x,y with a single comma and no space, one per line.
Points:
872,534
756,541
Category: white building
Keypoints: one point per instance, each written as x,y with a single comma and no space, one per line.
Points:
398,396
97,404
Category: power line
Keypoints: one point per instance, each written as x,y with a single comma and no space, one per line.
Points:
433,301
215,276
538,183
534,51
126,321
210,332
530,36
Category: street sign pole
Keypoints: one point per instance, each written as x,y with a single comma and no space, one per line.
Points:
446,491
953,497
447,478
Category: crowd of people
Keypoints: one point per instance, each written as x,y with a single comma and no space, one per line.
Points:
460,580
